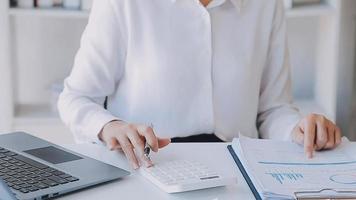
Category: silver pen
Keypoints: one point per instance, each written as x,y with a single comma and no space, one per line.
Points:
147,148
147,151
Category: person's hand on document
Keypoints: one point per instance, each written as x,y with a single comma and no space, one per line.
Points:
316,132
131,138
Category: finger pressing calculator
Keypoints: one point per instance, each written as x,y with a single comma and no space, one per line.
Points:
183,175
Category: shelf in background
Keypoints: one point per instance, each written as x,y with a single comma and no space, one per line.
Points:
41,115
41,121
311,11
299,11
55,12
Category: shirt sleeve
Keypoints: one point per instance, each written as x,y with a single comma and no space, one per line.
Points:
97,70
277,116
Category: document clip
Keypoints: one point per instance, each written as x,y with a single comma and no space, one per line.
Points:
327,194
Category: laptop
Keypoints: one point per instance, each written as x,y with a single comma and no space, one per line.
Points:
5,192
36,169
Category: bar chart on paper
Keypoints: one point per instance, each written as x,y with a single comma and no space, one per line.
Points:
280,169
309,176
283,177
285,167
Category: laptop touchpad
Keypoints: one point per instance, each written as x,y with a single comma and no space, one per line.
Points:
53,155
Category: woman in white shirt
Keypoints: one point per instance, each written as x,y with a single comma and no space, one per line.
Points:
188,67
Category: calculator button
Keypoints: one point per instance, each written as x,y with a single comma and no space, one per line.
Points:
182,175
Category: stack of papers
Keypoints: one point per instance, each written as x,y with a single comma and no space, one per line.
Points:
281,170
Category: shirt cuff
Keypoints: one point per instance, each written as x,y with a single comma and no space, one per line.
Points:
96,123
291,122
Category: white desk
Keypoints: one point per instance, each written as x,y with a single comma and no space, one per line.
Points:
137,187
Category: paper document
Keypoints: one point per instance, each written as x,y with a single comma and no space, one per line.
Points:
279,169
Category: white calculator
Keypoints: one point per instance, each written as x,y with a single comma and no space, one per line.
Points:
184,175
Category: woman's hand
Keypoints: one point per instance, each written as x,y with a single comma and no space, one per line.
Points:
131,138
316,132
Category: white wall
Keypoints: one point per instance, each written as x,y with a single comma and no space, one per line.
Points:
302,33
6,111
45,53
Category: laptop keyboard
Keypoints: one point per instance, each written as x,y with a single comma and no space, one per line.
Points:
27,175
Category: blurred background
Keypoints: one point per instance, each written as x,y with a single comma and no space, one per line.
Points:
39,39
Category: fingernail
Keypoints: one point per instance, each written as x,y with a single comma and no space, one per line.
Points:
149,164
135,166
310,154
147,161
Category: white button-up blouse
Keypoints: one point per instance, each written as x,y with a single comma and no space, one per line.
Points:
186,68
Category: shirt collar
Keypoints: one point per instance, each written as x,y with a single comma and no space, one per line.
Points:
239,4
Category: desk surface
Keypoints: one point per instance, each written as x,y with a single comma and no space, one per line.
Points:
137,187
